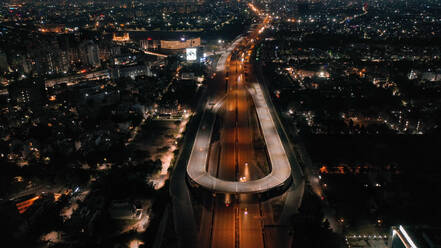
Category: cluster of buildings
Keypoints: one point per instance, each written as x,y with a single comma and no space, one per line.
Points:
64,17
365,19
61,63
85,117
50,55
80,82
328,52
361,81
55,81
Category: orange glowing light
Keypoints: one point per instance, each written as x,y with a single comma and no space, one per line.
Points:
24,205
341,170
124,38
57,196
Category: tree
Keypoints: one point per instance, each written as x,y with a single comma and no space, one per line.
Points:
310,228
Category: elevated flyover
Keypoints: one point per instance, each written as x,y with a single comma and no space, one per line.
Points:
197,167
280,173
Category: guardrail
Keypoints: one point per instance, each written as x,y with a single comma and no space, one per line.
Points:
280,174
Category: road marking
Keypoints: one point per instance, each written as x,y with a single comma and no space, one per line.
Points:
236,228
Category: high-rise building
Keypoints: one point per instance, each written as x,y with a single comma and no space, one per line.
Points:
90,54
149,44
115,51
3,62
26,94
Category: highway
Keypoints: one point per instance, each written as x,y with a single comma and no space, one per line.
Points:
236,220
241,220
227,162
236,149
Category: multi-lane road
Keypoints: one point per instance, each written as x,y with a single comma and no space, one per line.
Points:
230,211
238,217
236,148
237,220
244,219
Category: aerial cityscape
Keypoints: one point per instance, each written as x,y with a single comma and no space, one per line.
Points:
220,123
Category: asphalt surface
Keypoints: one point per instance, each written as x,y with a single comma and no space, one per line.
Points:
230,219
236,220
236,144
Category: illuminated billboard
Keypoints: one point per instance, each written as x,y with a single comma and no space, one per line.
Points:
191,54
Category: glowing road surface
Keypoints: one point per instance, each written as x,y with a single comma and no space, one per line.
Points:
280,167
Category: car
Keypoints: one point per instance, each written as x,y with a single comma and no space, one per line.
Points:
227,200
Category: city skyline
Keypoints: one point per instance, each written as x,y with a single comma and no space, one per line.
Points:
209,123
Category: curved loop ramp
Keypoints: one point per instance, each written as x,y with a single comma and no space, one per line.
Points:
280,174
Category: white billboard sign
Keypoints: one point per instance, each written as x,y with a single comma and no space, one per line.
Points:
191,54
